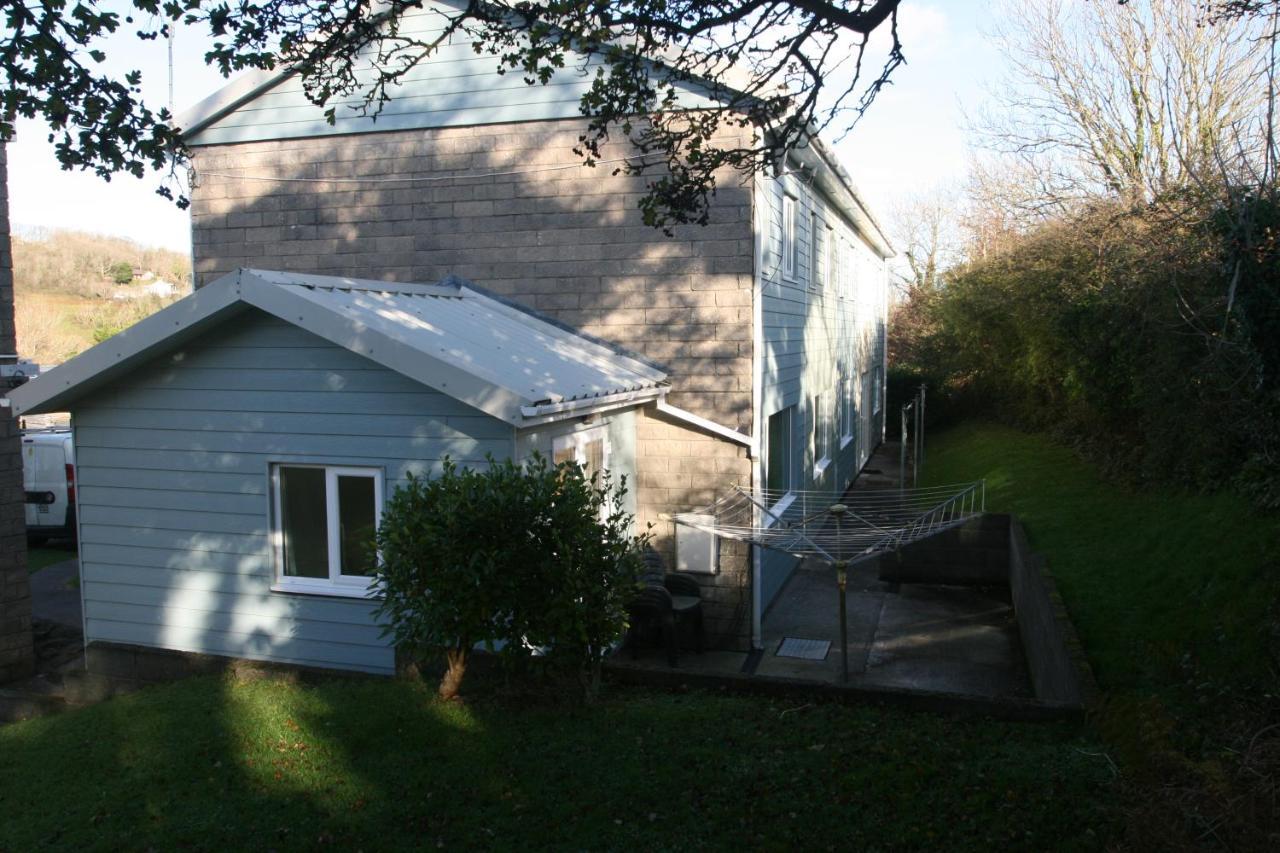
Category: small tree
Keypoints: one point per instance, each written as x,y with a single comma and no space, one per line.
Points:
586,563
121,272
521,555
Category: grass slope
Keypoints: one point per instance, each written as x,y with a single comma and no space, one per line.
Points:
1164,587
220,763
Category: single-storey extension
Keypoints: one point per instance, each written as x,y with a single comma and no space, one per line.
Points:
235,449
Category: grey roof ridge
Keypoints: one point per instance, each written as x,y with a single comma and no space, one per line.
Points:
559,324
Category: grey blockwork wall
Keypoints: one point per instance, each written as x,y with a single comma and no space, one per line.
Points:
823,334
173,494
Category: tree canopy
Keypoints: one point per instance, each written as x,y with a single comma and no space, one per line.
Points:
786,69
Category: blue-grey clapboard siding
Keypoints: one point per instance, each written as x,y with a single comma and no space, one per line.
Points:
453,88
811,339
173,496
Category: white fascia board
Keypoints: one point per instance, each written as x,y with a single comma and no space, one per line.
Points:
116,356
384,349
839,188
229,98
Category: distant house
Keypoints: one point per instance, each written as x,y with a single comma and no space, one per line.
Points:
159,289
768,324
234,450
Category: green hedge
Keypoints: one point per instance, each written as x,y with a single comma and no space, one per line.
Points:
1120,331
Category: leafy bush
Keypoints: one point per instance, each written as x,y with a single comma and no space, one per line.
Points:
522,557
1144,337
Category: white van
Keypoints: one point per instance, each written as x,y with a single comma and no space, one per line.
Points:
49,478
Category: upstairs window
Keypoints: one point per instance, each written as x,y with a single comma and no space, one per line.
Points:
817,256
325,521
789,247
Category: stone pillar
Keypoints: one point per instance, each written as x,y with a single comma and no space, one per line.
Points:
17,657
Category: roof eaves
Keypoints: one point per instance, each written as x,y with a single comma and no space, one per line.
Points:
229,98
117,355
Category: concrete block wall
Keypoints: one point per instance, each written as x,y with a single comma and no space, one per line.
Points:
566,240
17,658
682,470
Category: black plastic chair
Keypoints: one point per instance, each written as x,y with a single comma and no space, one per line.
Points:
666,603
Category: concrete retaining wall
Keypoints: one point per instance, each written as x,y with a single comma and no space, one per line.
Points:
1055,658
992,550
975,554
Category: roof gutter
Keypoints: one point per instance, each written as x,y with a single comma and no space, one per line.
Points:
556,411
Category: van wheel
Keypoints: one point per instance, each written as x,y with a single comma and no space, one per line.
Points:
36,541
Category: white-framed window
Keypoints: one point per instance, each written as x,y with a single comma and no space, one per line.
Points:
820,441
588,447
877,389
323,529
848,410
779,474
817,257
789,245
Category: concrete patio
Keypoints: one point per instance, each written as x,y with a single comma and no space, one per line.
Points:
929,639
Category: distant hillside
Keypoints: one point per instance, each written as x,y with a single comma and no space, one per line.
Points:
72,290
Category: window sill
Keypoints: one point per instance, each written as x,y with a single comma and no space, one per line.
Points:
845,441
821,467
324,588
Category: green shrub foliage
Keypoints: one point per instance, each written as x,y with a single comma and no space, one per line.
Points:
533,559
1146,337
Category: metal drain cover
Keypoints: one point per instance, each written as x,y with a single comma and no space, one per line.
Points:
794,647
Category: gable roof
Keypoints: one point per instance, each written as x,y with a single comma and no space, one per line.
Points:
505,360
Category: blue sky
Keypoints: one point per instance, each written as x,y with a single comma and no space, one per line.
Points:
911,140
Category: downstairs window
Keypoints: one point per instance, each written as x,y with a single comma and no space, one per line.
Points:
325,520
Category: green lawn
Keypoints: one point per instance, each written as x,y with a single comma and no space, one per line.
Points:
1169,592
218,764
47,555
1166,589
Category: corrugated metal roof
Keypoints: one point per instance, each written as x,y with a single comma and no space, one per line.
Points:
498,357
532,358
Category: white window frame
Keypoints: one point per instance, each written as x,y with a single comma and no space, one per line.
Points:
352,586
789,237
849,408
820,438
817,253
877,389
578,441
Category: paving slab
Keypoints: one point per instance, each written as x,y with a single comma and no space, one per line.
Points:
809,609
